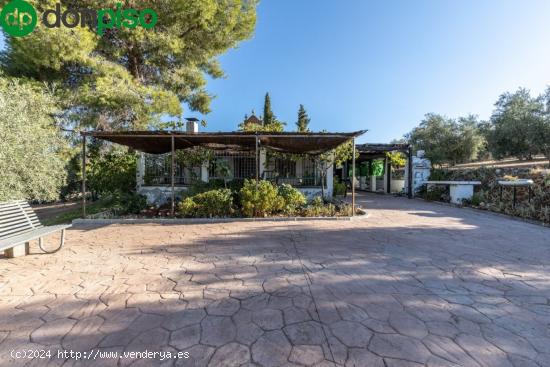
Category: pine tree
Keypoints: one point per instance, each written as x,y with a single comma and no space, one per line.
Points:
269,117
303,120
131,78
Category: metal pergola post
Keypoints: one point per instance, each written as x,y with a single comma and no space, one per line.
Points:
172,172
409,174
83,176
353,178
257,160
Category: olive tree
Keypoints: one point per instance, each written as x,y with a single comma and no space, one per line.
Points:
31,164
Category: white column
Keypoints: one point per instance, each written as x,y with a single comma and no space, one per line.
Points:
140,171
263,161
373,183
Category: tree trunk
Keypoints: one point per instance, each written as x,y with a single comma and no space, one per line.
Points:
323,186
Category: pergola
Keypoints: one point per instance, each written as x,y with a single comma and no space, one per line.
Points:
162,142
371,151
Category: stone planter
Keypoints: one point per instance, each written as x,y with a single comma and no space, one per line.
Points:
397,185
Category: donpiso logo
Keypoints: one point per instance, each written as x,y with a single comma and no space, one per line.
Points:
19,18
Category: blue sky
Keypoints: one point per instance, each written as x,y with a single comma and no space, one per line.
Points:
381,65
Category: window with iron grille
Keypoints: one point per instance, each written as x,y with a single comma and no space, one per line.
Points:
285,167
158,171
301,172
241,165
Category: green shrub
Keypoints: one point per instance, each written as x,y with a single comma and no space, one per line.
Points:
187,208
339,188
292,199
477,198
214,203
129,203
260,199
110,169
439,175
436,194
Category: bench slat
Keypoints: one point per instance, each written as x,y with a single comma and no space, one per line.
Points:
17,218
10,204
16,221
11,211
15,231
11,216
19,221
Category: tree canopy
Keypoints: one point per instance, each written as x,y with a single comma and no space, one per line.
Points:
31,146
519,125
130,78
447,140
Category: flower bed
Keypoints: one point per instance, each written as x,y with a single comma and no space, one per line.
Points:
244,199
258,200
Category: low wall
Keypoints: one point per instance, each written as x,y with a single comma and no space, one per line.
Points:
311,192
488,194
158,195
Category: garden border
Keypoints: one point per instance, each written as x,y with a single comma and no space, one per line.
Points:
216,220
486,211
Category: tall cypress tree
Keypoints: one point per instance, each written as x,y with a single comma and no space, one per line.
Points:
303,120
269,117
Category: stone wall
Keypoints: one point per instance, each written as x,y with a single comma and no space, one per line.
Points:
488,195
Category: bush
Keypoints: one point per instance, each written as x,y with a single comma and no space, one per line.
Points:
318,208
187,208
214,203
110,169
292,199
439,175
436,194
260,199
129,203
339,188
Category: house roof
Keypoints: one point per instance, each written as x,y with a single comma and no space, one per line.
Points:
381,148
159,142
253,120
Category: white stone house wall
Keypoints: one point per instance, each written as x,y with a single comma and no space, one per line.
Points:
159,194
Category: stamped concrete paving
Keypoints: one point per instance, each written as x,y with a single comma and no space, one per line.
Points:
416,284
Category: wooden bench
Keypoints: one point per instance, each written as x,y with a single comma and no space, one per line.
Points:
19,225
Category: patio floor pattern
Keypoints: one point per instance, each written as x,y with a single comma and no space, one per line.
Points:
416,284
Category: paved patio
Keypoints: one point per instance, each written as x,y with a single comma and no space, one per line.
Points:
417,284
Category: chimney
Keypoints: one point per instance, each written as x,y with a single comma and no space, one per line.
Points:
191,125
